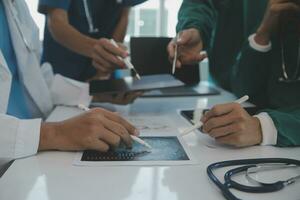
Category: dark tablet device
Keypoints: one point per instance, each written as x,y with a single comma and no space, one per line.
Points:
129,84
199,90
149,56
189,114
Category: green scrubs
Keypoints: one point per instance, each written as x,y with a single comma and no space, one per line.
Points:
225,26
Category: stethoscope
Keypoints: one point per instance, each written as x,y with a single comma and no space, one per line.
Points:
285,77
89,18
250,167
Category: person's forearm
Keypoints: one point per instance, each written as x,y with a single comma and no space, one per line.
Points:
121,28
262,37
67,35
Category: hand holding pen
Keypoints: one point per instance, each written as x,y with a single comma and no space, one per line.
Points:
231,124
105,57
186,48
133,137
127,62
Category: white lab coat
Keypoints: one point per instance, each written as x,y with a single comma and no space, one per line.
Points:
20,138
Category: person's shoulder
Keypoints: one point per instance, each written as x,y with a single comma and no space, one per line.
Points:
45,5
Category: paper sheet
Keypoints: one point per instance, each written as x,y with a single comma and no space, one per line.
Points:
153,125
205,139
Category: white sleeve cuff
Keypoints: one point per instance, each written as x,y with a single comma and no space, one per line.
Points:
269,131
261,48
28,137
68,92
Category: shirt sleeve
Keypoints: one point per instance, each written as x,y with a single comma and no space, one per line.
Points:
69,92
249,72
261,48
44,5
18,138
287,123
198,14
269,131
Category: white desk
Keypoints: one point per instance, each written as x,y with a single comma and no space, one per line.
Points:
51,176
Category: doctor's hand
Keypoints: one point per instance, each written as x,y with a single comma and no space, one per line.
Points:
276,11
105,57
97,129
122,98
231,124
190,46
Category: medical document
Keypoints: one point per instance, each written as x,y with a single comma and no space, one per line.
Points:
166,150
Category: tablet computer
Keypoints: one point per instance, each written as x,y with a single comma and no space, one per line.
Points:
143,60
130,84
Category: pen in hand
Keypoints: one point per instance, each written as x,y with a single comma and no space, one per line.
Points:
199,124
126,61
135,138
175,56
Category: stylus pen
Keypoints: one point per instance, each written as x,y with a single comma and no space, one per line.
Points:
175,56
126,61
135,138
199,124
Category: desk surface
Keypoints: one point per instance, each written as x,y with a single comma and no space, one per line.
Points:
51,176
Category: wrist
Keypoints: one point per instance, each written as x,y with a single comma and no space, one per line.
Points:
198,35
262,36
48,136
259,134
90,47
259,47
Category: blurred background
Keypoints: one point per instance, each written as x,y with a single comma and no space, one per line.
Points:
152,18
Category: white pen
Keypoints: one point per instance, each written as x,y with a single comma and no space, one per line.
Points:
199,124
175,56
126,61
135,138
142,142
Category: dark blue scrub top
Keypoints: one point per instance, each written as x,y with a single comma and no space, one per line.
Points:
105,15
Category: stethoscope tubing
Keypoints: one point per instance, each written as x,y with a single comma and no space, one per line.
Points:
264,188
225,187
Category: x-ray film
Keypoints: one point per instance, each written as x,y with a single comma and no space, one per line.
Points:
165,151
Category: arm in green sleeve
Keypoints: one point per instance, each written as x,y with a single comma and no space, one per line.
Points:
287,122
199,14
249,75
